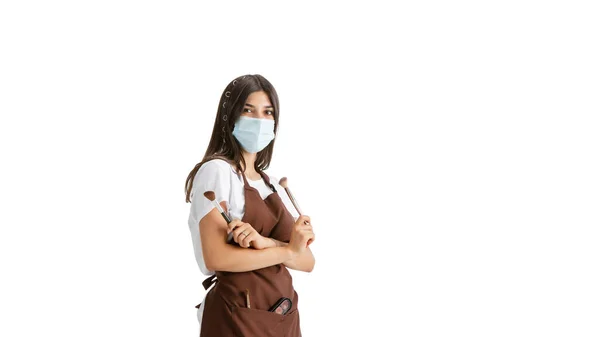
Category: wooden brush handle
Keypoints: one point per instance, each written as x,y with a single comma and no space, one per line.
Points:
293,200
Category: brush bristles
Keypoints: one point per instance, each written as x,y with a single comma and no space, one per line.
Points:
283,182
210,195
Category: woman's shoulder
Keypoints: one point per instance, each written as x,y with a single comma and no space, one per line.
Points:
214,174
217,165
214,171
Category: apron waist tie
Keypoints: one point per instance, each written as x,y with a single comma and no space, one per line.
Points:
207,283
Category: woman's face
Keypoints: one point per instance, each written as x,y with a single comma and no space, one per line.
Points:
258,105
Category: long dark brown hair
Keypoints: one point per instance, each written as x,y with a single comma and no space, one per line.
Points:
222,144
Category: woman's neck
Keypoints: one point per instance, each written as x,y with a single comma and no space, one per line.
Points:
249,158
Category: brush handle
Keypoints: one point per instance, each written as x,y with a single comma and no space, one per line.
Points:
227,219
293,200
230,235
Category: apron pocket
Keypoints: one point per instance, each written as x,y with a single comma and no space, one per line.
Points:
256,322
290,327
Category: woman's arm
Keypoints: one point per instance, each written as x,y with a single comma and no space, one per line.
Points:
303,262
221,256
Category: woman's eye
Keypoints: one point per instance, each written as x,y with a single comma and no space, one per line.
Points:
269,112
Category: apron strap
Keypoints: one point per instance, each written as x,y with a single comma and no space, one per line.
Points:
267,180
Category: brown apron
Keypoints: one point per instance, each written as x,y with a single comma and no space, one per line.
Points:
225,312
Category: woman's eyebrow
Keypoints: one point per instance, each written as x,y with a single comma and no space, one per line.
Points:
252,106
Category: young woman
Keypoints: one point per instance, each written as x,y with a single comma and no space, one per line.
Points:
249,274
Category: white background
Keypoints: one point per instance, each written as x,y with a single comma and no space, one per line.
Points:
447,153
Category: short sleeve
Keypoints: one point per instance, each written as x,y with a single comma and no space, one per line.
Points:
214,175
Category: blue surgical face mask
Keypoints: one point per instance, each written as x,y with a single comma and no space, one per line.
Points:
254,134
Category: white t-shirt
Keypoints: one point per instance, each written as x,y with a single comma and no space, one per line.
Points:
219,176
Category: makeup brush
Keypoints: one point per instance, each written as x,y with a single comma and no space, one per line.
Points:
283,183
210,195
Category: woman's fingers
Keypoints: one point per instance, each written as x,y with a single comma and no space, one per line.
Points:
306,227
302,219
244,234
311,239
309,235
245,243
233,224
239,230
306,237
306,230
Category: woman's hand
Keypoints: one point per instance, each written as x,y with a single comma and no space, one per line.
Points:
245,235
302,233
